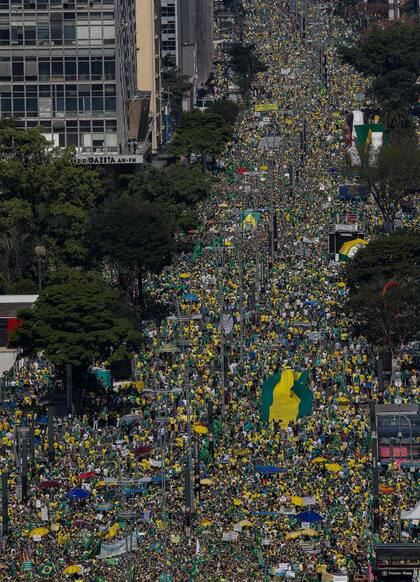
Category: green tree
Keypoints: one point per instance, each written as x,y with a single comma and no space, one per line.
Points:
229,110
381,51
388,315
15,228
75,321
201,134
175,85
245,64
394,177
175,184
55,196
134,237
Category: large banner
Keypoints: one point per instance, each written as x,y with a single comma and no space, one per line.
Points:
266,107
118,548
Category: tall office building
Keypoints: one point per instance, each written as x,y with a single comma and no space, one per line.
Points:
148,64
187,37
70,66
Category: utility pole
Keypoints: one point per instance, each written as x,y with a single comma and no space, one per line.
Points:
5,503
51,432
24,470
241,291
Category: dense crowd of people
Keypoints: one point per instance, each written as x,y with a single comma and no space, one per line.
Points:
120,476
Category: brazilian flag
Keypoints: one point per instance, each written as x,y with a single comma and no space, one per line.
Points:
286,396
47,570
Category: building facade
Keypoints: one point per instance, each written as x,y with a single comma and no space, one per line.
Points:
148,64
70,66
187,39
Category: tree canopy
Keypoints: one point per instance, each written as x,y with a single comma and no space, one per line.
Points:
394,177
392,55
44,199
175,184
133,236
245,64
175,85
384,289
201,134
227,109
381,51
76,320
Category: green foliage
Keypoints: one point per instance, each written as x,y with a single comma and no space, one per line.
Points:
386,257
393,178
227,109
392,55
245,64
75,321
201,134
384,50
395,87
176,184
133,236
44,199
175,85
393,317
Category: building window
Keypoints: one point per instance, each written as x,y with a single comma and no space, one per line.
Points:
30,35
109,69
43,34
169,45
168,28
17,35
70,69
17,69
167,11
44,68
4,35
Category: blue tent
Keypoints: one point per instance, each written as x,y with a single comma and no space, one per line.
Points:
309,516
78,493
190,297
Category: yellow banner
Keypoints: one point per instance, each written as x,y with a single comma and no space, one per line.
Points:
266,107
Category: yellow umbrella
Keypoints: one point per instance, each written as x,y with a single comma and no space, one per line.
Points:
246,523
206,522
319,460
39,531
342,399
200,429
228,243
75,569
263,168
185,275
297,500
341,284
333,467
292,535
206,482
237,502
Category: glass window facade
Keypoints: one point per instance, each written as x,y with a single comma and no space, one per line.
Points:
58,69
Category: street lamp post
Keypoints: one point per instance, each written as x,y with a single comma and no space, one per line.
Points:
40,252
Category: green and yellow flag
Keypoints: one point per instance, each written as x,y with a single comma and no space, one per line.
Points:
350,248
286,397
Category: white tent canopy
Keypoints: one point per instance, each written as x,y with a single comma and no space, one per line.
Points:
411,513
